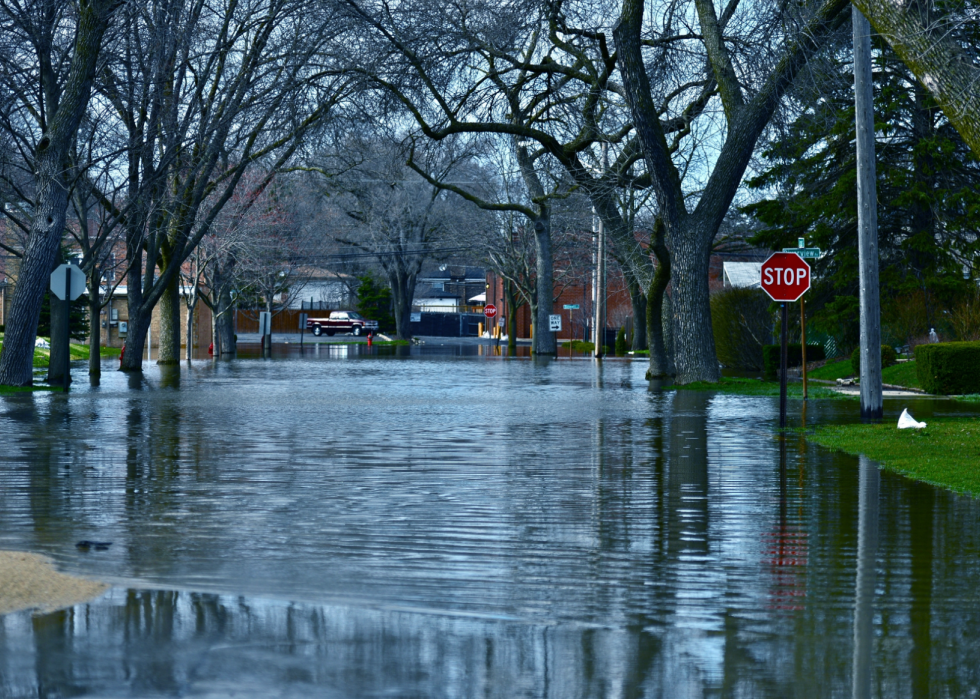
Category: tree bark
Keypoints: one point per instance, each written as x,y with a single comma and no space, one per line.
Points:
402,294
139,320
94,325
638,302
935,59
545,341
225,323
189,354
169,352
51,198
511,297
661,359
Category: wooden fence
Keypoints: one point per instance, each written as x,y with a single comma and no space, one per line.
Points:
285,321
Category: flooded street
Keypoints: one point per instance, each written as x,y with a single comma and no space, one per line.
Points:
413,523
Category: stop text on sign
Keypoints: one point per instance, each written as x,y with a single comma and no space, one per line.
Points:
785,276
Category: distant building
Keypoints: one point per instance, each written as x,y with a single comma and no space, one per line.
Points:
324,290
450,289
745,275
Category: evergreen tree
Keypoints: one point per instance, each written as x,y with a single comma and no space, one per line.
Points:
928,197
374,303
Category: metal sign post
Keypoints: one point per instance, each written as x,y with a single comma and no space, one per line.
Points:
785,278
302,328
807,254
67,282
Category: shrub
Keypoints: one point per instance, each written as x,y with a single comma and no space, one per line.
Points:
741,321
949,367
622,346
888,358
794,357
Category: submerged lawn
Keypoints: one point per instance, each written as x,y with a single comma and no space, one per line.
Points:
42,356
945,453
757,387
901,374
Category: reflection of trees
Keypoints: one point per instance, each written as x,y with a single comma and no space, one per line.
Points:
153,447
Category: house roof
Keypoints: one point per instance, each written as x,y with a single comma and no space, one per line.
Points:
743,274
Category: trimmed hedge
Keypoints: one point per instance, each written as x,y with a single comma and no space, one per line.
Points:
739,317
949,368
889,357
794,356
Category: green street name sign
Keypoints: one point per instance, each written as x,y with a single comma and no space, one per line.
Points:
805,253
571,306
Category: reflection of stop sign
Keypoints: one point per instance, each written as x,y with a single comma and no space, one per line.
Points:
785,276
490,310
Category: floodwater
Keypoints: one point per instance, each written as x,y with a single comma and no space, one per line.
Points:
422,523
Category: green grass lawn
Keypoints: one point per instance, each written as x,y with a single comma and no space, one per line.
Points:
832,370
757,387
903,374
27,389
78,352
945,453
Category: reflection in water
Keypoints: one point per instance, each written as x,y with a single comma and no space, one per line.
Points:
864,587
342,524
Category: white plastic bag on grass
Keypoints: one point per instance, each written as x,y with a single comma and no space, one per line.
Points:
906,421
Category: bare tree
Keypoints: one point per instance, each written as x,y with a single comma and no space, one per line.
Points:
750,92
395,215
197,120
48,59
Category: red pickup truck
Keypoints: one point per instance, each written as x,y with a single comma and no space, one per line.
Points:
342,322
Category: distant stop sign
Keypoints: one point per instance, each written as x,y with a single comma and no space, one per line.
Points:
785,276
490,310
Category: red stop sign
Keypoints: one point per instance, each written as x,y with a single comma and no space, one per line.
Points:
490,310
785,276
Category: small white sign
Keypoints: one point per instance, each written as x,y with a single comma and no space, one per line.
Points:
416,317
554,323
76,284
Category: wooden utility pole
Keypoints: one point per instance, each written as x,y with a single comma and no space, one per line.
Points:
871,399
600,276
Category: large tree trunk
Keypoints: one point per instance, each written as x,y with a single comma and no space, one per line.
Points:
545,343
661,356
139,318
695,342
94,327
190,327
169,352
511,297
51,195
932,54
402,295
224,320
638,302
